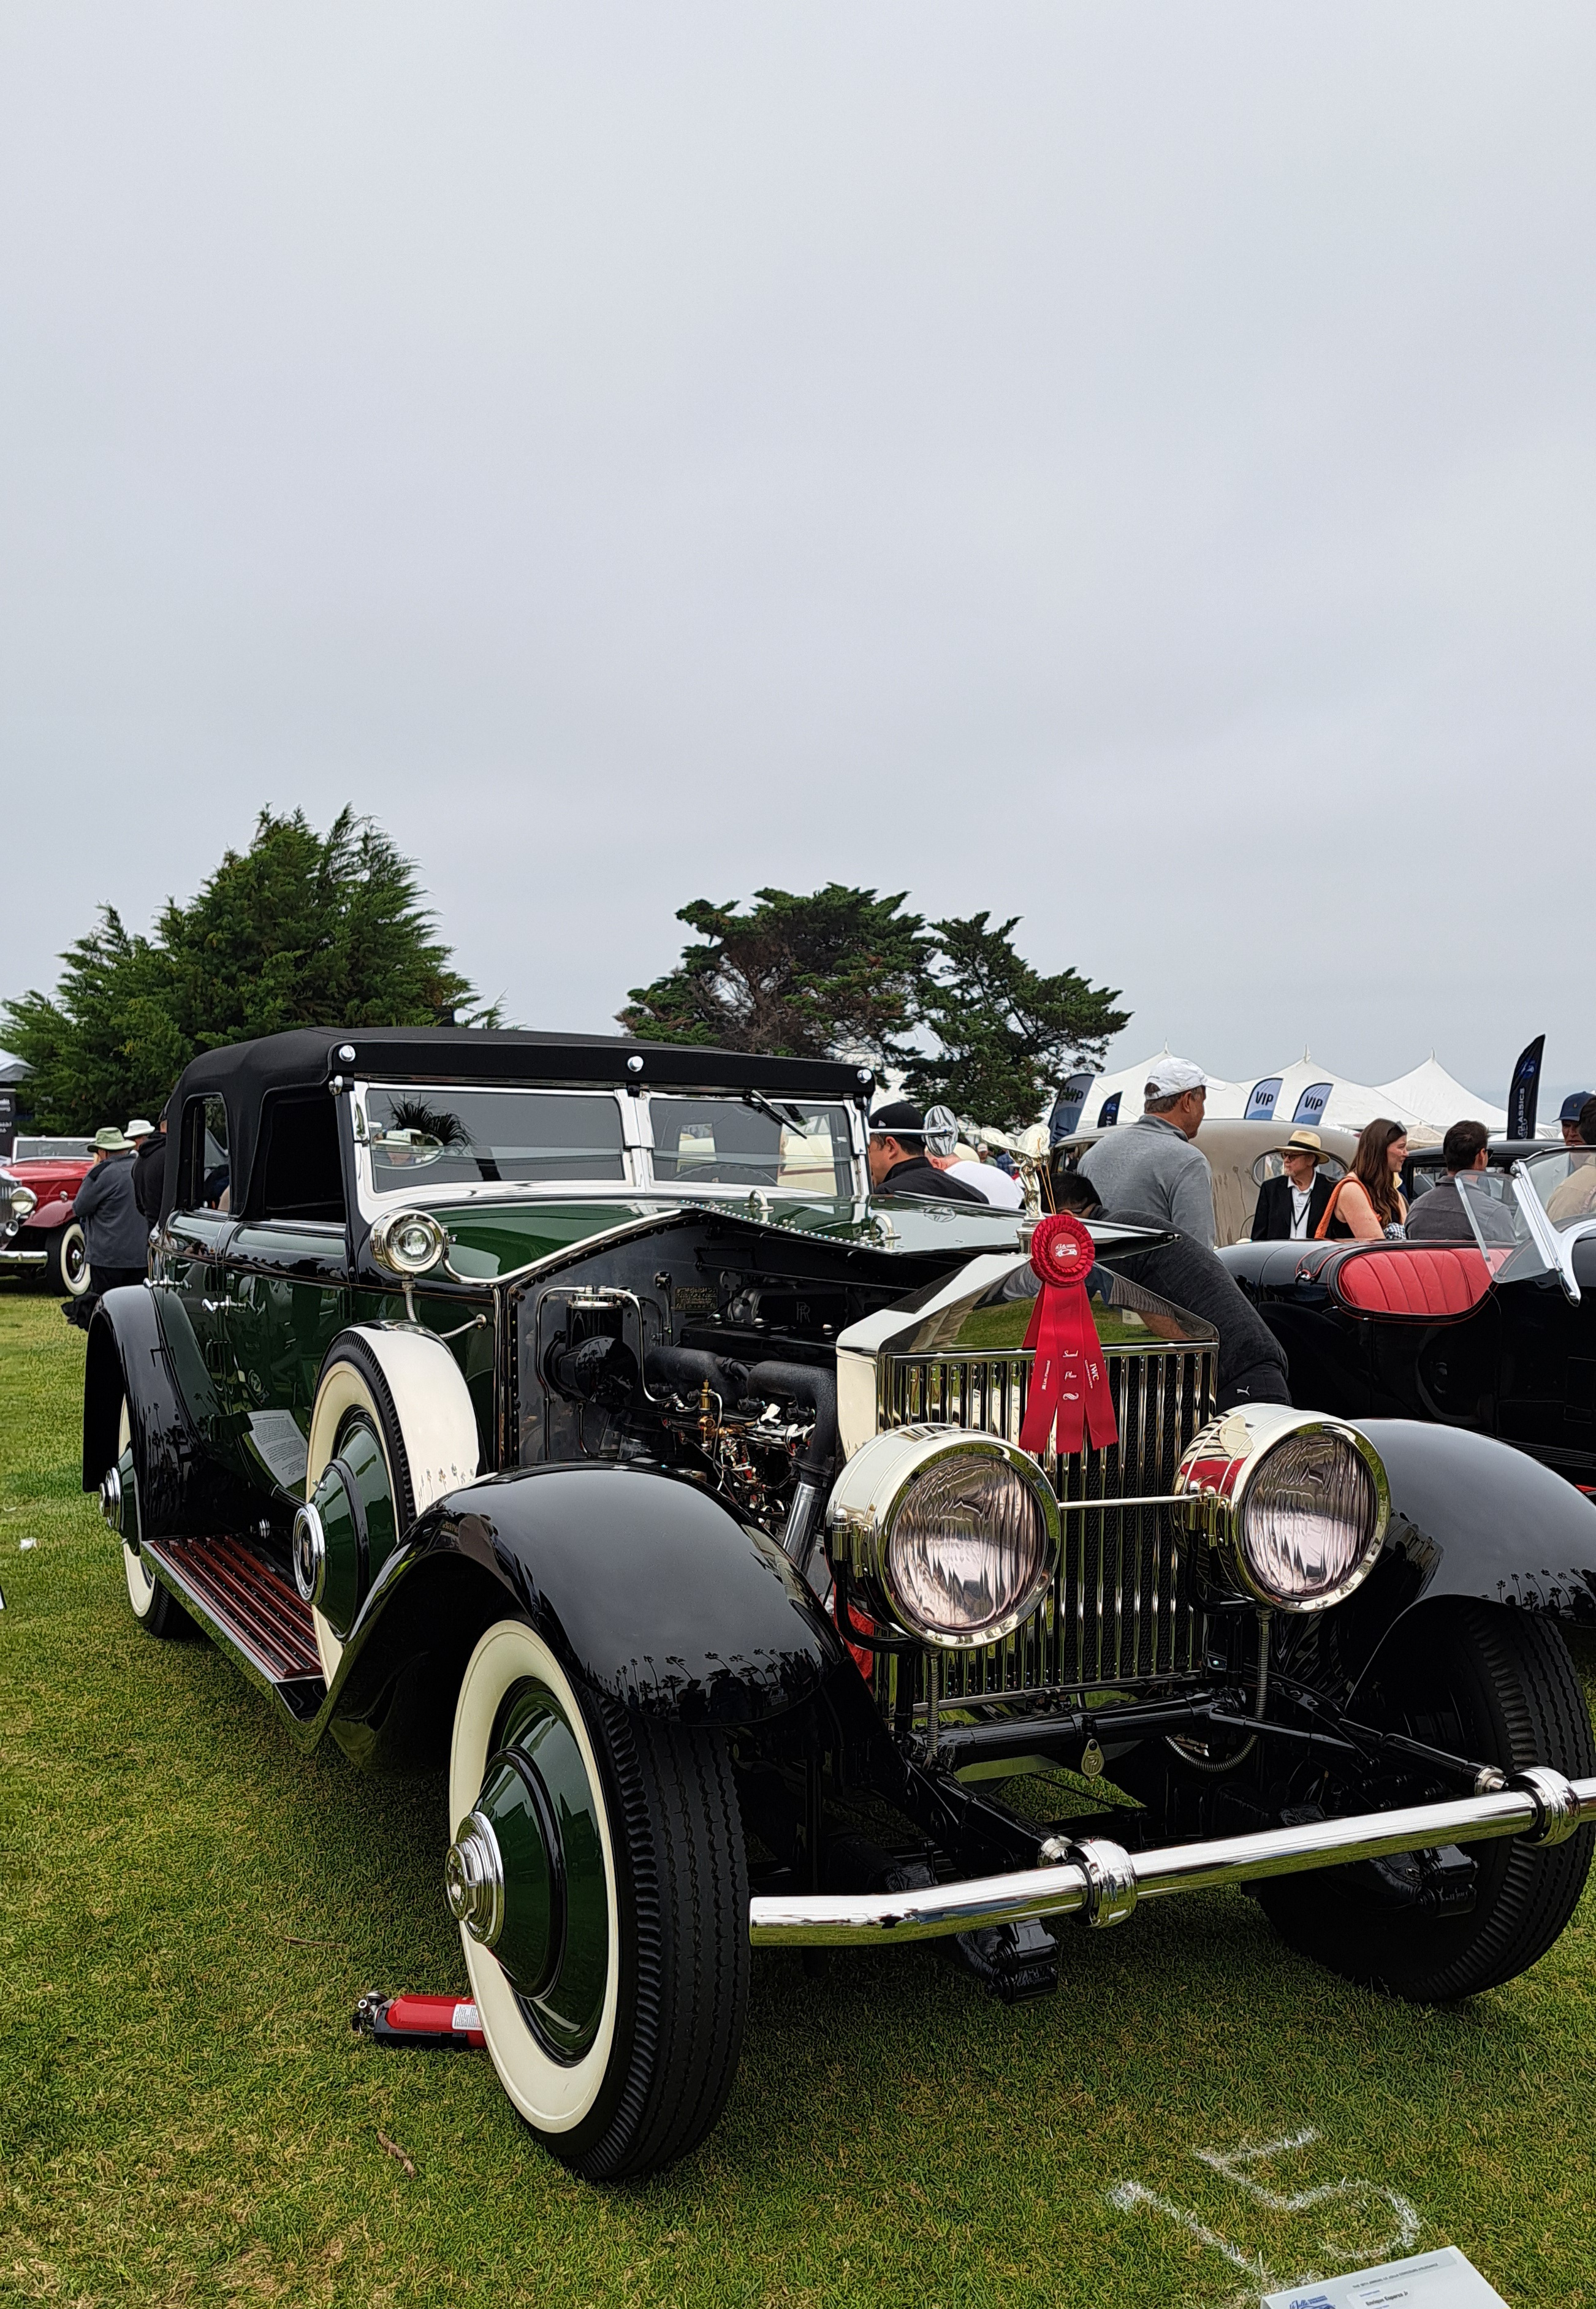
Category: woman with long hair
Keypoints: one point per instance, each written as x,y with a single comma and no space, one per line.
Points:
1368,1203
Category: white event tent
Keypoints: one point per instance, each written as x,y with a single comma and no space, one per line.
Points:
1427,1099
1440,1100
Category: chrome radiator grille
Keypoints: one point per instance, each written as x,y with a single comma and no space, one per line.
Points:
1115,1614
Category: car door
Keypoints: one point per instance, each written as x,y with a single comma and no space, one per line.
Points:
190,1274
288,1285
1546,1400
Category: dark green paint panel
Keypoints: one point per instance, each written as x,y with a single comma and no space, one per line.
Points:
504,1238
497,1242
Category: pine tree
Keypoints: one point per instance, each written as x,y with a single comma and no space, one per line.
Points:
1005,1035
833,973
300,930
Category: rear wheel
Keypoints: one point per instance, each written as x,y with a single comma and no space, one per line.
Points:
1477,1680
66,1261
155,1608
599,1875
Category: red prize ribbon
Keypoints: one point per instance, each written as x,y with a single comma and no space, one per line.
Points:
1068,1382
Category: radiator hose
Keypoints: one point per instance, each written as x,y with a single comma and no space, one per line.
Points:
805,1383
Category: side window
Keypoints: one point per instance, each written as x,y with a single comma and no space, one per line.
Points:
204,1175
298,1167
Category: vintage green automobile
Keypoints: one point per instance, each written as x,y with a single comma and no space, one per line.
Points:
567,1413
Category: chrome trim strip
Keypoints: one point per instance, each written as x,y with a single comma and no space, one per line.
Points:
1549,1810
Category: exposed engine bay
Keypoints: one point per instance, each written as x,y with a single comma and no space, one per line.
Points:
706,1346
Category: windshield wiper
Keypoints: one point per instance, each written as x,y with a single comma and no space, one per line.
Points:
792,1118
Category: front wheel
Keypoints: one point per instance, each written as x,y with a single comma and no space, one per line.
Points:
66,1261
1479,1681
599,1876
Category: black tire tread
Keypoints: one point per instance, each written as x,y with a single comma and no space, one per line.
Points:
1514,1679
677,1818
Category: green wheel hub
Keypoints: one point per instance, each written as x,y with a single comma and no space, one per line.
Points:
525,1875
339,1551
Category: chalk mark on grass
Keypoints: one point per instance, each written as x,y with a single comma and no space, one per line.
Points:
1231,2165
1125,2196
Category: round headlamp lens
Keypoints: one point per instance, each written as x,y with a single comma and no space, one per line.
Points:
968,1549
1308,1515
24,1202
407,1243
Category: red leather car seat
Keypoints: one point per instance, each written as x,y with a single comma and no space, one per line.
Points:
1403,1285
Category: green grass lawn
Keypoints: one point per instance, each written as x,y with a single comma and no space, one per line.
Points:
191,1906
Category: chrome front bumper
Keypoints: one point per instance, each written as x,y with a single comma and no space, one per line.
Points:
1102,1883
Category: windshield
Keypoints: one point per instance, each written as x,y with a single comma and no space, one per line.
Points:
1502,1226
725,1142
52,1150
422,1140
1564,1180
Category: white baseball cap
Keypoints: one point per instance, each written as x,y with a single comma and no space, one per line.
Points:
1166,1077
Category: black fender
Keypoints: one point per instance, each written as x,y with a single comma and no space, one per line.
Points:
182,1489
1471,1516
647,1590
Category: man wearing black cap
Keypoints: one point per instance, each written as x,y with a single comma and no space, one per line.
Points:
1568,1115
900,1164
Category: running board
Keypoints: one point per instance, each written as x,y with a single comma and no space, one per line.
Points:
250,1611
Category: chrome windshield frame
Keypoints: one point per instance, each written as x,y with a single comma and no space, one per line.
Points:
637,1139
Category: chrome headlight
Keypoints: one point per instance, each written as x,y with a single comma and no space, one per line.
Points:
408,1243
956,1534
1297,1504
18,1202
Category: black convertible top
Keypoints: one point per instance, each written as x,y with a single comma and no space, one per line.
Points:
243,1072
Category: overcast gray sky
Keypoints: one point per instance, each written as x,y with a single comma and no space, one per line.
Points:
1128,466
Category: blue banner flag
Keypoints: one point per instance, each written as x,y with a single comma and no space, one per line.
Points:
1067,1108
1260,1104
1524,1091
1311,1105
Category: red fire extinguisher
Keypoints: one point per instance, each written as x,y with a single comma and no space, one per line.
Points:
432,2023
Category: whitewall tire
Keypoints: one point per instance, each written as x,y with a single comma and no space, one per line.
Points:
618,2039
154,1607
66,1260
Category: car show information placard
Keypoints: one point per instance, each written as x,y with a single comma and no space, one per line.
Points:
1429,2280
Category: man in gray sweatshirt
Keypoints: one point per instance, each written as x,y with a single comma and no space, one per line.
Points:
115,1232
1151,1164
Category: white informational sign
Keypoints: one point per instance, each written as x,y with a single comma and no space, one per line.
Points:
1429,2280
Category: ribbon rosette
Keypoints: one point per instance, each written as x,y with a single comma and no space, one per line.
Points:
1068,1382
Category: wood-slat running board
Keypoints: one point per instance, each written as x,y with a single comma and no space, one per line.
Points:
255,1609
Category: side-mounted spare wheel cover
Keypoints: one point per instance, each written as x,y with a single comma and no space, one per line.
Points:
392,1431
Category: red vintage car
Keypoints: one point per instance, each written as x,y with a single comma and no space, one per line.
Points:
39,1234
